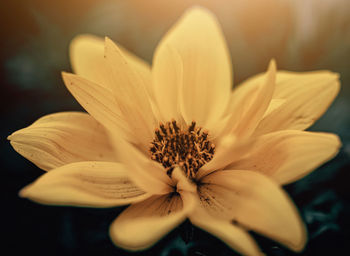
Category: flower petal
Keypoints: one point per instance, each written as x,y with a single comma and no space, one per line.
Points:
241,98
87,59
167,80
146,173
234,236
248,103
308,96
287,156
253,110
255,202
140,67
62,138
227,151
274,104
207,75
141,225
99,102
88,184
131,94
183,183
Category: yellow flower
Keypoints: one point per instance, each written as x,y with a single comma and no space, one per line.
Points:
175,143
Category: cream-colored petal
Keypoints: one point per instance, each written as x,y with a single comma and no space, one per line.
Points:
251,113
62,138
146,173
248,103
235,237
182,182
229,150
141,67
287,156
274,105
308,95
141,225
131,94
167,74
241,98
87,59
255,202
88,184
99,102
207,75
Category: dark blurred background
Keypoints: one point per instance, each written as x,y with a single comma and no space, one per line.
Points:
301,35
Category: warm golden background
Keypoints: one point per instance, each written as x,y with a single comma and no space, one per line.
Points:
301,35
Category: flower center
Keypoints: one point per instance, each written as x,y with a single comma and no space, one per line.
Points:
188,148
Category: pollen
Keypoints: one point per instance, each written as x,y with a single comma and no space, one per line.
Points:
187,147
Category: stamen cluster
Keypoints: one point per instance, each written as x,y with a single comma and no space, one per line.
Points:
187,148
